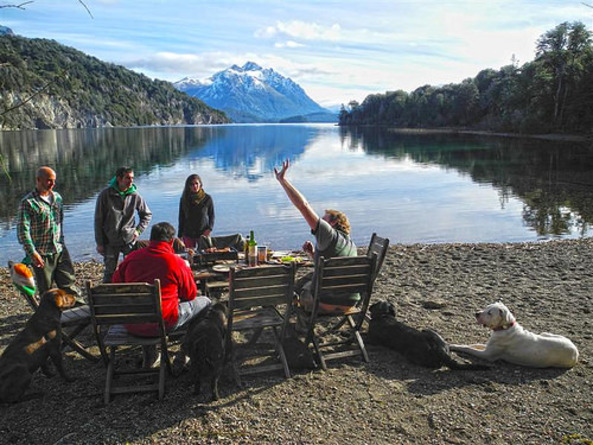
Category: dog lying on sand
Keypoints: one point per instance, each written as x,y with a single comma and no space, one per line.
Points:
40,339
510,342
425,348
204,343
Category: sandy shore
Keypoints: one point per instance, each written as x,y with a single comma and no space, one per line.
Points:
548,286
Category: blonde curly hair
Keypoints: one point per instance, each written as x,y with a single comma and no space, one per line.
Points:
340,219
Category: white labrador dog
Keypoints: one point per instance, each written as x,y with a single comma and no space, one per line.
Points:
510,342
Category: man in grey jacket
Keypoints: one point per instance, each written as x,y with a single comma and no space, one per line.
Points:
116,230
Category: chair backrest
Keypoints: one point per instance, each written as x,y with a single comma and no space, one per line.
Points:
378,246
344,276
126,303
261,286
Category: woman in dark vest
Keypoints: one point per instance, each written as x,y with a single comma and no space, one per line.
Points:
332,238
196,214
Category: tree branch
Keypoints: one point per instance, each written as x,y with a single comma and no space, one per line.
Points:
85,7
28,99
20,6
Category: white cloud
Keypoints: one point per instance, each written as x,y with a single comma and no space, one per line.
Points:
288,44
297,29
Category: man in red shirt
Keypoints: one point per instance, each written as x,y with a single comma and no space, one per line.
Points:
178,287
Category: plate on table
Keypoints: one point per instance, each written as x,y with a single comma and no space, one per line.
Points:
293,259
277,254
221,268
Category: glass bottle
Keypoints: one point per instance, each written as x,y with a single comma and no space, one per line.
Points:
246,250
252,253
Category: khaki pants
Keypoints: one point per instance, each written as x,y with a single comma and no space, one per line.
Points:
58,268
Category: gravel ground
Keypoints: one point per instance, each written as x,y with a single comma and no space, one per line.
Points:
548,286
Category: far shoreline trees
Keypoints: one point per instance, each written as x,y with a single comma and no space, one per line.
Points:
553,93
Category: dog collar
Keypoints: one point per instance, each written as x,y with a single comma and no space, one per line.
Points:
504,329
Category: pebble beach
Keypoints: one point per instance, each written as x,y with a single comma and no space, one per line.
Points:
548,286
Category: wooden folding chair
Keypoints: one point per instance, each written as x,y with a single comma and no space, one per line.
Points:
73,321
116,305
341,276
260,298
378,246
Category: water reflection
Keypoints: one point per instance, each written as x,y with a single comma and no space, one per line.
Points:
247,151
85,159
554,180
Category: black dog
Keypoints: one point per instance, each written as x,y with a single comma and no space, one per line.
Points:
39,340
425,348
204,343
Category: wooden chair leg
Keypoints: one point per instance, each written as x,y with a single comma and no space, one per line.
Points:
165,356
78,347
162,369
338,325
361,346
318,353
281,353
254,338
109,377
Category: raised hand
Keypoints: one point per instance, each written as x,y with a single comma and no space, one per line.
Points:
280,174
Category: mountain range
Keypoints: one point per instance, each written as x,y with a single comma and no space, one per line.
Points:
253,94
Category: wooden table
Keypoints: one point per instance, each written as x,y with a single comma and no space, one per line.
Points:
214,284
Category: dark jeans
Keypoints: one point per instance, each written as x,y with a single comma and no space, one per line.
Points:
111,257
58,268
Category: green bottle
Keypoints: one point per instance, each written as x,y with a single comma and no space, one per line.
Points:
252,252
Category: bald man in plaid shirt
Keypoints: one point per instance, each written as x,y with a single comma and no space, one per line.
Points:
39,230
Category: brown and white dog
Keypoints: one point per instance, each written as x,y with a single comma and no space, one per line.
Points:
510,342
40,339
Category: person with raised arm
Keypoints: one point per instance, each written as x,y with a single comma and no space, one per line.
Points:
332,239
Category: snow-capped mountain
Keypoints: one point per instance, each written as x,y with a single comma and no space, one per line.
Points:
253,94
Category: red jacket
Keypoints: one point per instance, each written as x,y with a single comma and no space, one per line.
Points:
158,260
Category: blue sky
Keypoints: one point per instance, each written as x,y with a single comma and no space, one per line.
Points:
337,51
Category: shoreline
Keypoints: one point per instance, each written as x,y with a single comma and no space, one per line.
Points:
549,137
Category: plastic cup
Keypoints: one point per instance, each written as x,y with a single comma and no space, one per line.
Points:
262,254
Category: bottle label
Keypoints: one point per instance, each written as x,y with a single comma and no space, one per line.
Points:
252,255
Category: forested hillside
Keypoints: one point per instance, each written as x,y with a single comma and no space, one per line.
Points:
552,93
47,85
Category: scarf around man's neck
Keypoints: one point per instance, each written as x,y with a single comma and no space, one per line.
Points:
113,183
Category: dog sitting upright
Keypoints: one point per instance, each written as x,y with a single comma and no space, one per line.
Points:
425,348
30,349
204,343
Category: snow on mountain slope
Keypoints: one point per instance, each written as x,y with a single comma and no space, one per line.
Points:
252,94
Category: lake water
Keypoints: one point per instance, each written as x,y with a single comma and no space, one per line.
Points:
409,187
